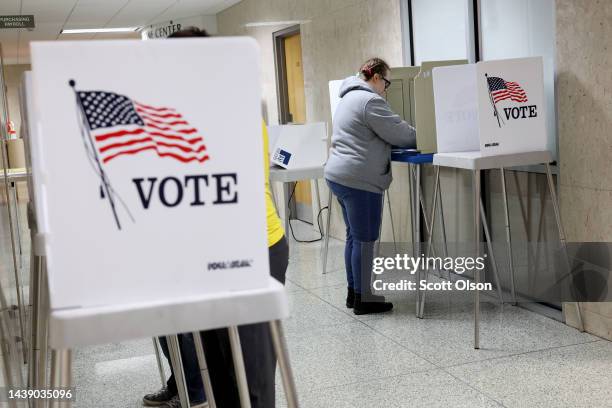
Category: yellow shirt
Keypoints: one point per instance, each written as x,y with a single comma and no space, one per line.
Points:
275,228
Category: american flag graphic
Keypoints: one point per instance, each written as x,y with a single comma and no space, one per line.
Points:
120,126
501,90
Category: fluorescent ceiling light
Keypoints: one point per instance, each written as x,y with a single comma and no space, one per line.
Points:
275,23
101,30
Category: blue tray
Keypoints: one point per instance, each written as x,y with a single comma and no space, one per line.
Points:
402,155
421,158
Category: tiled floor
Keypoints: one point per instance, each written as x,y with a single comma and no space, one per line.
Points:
392,360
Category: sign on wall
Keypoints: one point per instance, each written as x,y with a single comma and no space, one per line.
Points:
166,28
496,107
17,21
141,180
162,30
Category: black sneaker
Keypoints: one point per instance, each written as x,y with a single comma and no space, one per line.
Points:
175,402
350,298
158,398
379,306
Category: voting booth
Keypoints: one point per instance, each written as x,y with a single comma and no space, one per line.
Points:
411,96
492,107
492,115
139,173
298,146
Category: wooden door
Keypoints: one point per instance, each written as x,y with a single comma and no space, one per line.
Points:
297,111
295,78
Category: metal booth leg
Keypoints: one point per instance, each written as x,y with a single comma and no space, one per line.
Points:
39,368
315,183
508,235
280,347
417,230
61,375
476,182
391,220
17,221
286,210
553,196
177,368
430,235
382,213
208,389
34,316
326,243
413,208
443,225
490,248
241,379
414,214
160,365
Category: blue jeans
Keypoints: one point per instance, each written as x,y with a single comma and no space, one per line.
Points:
362,212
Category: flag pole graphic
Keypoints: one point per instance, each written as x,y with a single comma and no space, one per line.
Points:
495,111
85,129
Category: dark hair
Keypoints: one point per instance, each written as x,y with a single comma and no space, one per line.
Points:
189,32
373,66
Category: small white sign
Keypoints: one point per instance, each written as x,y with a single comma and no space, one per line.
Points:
150,182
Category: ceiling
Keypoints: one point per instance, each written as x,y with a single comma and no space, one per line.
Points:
52,16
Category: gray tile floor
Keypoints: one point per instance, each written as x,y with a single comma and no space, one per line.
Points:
392,360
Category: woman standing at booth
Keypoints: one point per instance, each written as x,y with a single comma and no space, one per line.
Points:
358,171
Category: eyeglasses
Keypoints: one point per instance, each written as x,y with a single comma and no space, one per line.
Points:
387,82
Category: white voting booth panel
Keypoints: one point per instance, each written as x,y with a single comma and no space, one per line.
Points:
141,169
273,133
424,110
299,146
334,95
494,107
456,108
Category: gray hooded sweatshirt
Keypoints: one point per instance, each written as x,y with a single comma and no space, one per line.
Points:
364,129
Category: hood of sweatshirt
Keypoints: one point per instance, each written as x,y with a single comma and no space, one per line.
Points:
354,83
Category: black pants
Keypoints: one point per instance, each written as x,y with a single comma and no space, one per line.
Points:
193,377
257,348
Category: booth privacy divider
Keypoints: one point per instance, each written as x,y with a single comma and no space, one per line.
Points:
494,107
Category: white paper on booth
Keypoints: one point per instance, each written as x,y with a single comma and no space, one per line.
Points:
152,168
334,95
456,106
273,134
511,105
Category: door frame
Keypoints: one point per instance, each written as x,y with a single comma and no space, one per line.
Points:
282,92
